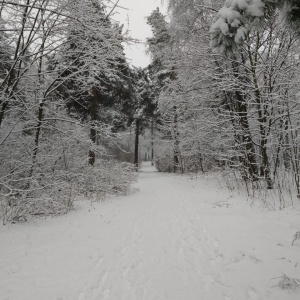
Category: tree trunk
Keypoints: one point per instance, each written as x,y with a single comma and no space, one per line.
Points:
93,131
249,156
136,144
236,105
41,99
200,159
152,142
262,119
177,160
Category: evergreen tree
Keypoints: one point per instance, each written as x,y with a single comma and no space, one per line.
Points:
162,71
145,107
101,85
160,68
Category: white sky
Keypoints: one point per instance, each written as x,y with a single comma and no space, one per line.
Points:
136,13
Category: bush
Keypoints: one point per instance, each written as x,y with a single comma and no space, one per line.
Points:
57,198
165,165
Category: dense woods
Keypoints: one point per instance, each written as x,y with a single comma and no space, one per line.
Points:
228,100
66,94
221,94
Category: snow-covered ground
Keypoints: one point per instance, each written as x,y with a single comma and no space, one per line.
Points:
174,238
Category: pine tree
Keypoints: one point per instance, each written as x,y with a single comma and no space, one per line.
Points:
145,107
100,84
162,71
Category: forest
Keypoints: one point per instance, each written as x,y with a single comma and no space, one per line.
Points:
221,95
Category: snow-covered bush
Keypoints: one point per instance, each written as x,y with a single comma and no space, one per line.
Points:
165,164
107,177
52,201
54,193
60,173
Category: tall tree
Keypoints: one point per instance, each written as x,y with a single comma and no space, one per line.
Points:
162,71
102,74
145,107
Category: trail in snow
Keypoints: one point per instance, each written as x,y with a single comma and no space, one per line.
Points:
174,239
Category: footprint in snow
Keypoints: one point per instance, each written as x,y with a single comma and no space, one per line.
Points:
81,296
99,263
252,294
125,272
208,281
106,293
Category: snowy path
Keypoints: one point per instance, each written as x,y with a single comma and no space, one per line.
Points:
174,239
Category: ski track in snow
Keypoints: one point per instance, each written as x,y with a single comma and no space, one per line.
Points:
169,241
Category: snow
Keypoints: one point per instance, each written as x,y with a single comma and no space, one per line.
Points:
173,238
231,21
241,34
254,8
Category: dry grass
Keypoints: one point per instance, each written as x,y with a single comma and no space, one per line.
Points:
288,283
